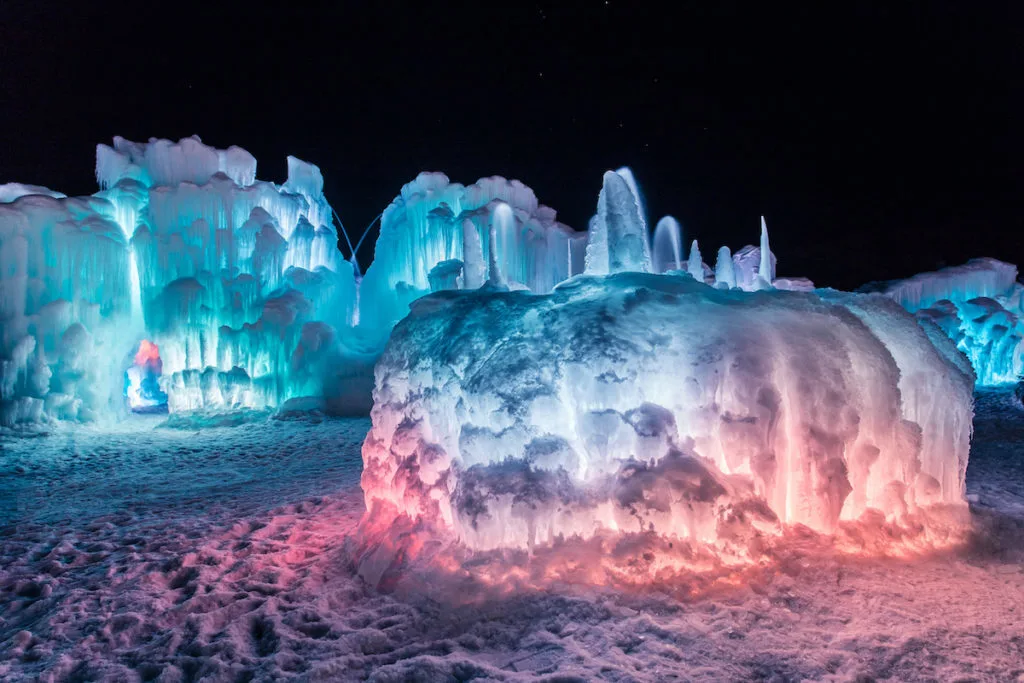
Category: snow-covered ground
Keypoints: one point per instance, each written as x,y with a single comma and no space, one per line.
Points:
219,553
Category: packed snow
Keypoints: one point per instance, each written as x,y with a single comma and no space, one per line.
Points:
115,566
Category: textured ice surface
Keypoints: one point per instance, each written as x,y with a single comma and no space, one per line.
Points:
435,221
978,305
239,283
638,402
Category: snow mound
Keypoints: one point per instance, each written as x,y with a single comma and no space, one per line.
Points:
641,403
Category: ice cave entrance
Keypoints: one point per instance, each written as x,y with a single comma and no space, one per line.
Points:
142,380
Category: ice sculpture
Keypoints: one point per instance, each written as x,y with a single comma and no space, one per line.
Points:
978,305
232,278
667,248
655,403
431,222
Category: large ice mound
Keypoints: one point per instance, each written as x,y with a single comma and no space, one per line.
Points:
978,305
637,402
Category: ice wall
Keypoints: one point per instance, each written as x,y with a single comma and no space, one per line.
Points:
234,279
430,223
637,402
978,306
65,307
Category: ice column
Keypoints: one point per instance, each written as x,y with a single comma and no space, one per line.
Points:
668,247
695,266
725,276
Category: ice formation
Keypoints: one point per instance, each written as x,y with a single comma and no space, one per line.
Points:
638,402
494,221
667,246
238,282
626,401
978,305
694,264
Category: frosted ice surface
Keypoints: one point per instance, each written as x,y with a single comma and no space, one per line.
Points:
510,421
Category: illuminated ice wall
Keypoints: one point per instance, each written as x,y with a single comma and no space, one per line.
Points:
441,235
637,402
978,305
238,282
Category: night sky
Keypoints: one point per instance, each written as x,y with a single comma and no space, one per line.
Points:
877,142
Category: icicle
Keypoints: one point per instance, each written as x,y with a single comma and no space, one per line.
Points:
503,216
472,256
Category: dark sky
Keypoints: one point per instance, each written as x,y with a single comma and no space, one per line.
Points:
878,142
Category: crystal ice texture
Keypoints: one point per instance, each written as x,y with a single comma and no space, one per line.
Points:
512,421
978,305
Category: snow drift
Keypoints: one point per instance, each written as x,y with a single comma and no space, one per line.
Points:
653,403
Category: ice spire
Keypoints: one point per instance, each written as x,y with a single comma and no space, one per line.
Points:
472,257
765,270
668,245
626,232
627,174
695,266
725,275
502,222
